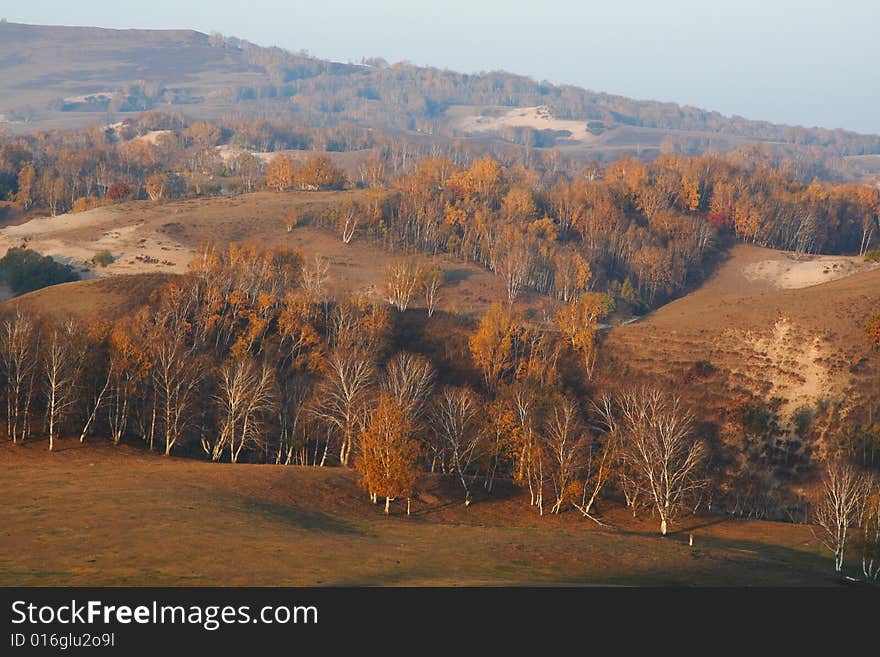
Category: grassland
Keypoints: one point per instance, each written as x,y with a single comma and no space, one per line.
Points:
99,515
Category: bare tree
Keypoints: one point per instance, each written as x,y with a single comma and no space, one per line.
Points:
343,396
61,372
455,423
409,378
246,394
600,458
176,375
314,279
18,353
432,278
839,507
401,279
513,263
348,222
564,444
659,450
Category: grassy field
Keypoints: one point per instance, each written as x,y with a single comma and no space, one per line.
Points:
99,515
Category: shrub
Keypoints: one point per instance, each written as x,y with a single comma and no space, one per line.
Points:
118,191
24,270
872,255
84,203
103,258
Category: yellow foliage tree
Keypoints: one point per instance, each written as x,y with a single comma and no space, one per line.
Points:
579,320
388,458
492,346
279,174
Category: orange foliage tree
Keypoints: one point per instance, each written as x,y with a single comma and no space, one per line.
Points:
388,457
279,173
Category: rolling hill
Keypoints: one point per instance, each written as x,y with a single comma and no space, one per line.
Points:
64,77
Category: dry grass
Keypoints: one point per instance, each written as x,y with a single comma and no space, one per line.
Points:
798,344
98,515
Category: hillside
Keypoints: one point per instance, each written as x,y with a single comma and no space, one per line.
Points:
64,77
153,240
768,327
97,515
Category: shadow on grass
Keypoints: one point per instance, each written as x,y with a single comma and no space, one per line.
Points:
314,521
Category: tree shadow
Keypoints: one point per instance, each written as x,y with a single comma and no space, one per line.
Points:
454,277
314,521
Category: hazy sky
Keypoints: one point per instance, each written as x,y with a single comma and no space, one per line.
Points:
805,62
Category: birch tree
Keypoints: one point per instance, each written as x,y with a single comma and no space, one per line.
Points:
456,416
431,279
659,449
176,375
18,353
388,457
409,378
60,374
343,396
401,279
565,444
839,507
246,395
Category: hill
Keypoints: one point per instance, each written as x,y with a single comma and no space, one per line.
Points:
767,325
97,515
766,352
152,240
63,77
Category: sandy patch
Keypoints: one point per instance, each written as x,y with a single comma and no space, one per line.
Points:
75,239
538,118
790,272
153,137
794,363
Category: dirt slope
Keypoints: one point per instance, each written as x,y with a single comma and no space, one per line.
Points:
766,325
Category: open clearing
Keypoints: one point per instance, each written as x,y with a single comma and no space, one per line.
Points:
98,515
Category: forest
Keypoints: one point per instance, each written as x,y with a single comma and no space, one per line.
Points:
543,222
247,358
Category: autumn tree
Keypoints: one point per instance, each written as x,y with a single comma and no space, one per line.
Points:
571,277
388,457
245,398
27,177
129,368
493,346
343,396
279,173
872,330
318,172
578,321
19,357
839,507
659,450
456,425
156,186
401,280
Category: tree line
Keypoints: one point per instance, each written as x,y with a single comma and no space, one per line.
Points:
248,359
